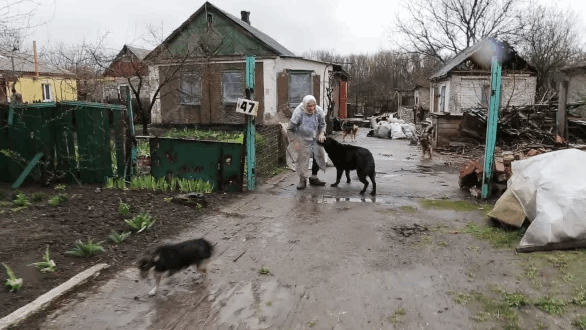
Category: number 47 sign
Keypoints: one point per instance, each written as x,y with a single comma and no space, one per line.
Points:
247,107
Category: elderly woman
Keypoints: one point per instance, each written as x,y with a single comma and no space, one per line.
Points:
306,127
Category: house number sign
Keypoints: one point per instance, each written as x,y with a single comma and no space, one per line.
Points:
247,107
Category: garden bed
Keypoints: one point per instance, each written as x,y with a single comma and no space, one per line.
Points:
90,212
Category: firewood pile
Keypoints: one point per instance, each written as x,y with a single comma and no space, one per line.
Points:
534,125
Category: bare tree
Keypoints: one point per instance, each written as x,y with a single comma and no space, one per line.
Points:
549,41
17,18
443,28
137,75
75,59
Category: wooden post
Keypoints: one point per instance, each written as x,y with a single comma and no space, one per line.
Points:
561,115
491,131
250,127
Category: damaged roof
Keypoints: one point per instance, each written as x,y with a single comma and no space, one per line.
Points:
481,54
256,33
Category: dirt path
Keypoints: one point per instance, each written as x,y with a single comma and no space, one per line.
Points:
324,258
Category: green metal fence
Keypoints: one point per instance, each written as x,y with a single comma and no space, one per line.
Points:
220,163
79,141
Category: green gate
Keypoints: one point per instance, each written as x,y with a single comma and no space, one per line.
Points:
79,141
220,163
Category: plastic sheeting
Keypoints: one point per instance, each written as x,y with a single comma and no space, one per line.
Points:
551,189
394,129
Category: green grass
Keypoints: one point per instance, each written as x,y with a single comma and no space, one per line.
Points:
21,200
192,133
123,208
409,208
13,283
38,197
144,148
264,270
86,249
500,310
119,237
446,204
551,305
143,221
398,316
496,236
47,265
60,187
59,199
580,322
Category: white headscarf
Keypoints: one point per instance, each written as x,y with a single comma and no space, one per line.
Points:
306,100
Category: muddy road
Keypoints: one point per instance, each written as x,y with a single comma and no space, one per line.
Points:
325,258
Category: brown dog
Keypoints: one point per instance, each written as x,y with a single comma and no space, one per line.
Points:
426,147
350,130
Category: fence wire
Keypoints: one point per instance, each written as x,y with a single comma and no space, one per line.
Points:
269,150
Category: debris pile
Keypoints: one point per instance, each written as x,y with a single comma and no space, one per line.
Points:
532,125
471,173
388,127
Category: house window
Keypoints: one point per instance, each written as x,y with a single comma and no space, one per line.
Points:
190,89
47,93
232,87
299,87
442,100
123,91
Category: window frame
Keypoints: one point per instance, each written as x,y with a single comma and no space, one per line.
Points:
290,78
195,99
240,87
50,90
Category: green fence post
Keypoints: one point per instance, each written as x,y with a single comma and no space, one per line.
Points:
491,131
27,170
10,115
250,128
134,151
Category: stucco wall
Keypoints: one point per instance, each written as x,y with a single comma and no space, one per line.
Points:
63,89
273,67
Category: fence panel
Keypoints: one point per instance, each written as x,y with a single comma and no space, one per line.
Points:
75,138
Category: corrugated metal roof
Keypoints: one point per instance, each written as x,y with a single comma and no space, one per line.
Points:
24,63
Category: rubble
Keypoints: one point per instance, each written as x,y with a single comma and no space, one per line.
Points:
472,171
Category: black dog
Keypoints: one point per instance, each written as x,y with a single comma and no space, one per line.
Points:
172,258
346,158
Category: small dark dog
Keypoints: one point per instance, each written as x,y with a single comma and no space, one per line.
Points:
346,158
349,129
426,147
172,258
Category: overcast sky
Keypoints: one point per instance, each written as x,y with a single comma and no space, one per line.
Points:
343,26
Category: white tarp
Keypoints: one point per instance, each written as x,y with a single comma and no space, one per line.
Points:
382,130
551,188
397,131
